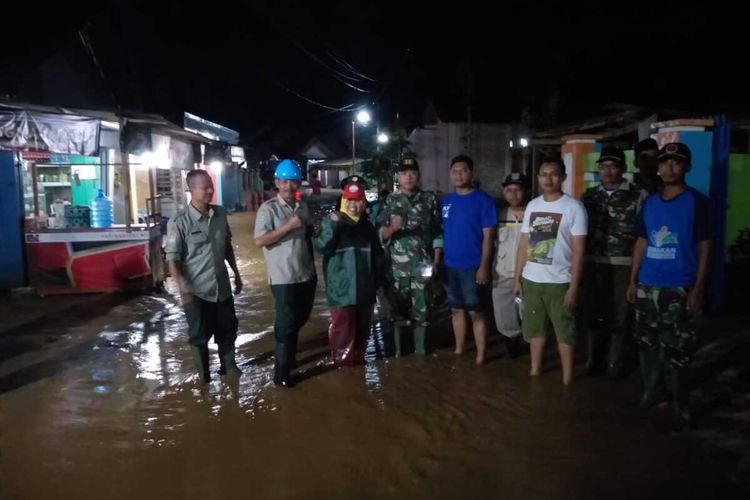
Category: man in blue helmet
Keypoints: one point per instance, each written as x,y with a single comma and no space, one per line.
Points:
283,228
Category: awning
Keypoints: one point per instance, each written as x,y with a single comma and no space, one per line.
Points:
337,164
57,133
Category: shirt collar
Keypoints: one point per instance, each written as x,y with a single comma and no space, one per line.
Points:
624,186
292,206
196,216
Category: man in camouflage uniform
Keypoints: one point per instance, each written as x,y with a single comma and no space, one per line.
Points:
647,176
668,280
411,234
612,208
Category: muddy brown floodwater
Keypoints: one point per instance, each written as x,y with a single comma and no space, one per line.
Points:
105,405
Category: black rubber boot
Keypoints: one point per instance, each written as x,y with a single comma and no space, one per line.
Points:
281,374
594,362
681,418
226,358
651,372
200,358
398,337
514,346
616,357
292,350
420,340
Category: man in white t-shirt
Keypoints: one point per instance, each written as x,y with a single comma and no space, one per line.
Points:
549,266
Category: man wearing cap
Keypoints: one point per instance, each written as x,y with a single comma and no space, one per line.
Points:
283,229
647,164
612,208
412,237
503,273
352,267
199,241
668,280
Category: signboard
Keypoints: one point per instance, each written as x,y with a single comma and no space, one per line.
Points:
70,237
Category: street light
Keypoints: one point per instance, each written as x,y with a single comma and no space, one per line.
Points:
383,138
216,167
363,117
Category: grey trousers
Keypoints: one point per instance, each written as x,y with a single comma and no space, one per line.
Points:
506,314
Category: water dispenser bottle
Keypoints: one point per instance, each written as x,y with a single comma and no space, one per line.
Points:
101,211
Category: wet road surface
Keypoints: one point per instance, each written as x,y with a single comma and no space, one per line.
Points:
104,403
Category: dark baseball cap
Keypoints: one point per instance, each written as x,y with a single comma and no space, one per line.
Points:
515,178
407,163
675,150
611,153
646,145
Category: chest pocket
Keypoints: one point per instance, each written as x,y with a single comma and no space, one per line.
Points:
503,233
197,241
197,237
415,218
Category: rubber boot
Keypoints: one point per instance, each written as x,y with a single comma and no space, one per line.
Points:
651,372
513,346
594,354
616,357
420,334
398,335
200,358
292,350
281,366
681,394
226,358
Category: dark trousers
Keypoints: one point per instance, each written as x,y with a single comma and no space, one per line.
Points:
206,319
607,314
348,333
294,304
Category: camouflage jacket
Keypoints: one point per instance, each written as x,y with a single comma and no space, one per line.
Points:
612,219
421,233
650,184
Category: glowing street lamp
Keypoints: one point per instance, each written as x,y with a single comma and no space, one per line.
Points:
363,118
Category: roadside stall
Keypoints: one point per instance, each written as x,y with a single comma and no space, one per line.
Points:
93,218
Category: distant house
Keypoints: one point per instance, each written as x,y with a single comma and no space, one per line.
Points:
329,161
488,144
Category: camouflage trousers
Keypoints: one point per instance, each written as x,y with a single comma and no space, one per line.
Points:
662,322
407,297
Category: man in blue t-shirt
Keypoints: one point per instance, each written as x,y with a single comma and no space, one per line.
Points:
668,280
469,220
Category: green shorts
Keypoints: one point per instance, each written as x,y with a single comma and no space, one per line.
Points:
543,304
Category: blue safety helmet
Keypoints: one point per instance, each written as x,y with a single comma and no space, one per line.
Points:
288,169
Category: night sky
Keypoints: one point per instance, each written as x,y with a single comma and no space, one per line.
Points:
255,66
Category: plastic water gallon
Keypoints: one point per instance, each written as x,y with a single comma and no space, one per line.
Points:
101,211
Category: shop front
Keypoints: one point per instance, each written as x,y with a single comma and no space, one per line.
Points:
111,183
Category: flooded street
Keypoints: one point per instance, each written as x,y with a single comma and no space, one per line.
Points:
106,405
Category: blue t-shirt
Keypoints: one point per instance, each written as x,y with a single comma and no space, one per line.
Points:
673,228
464,217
